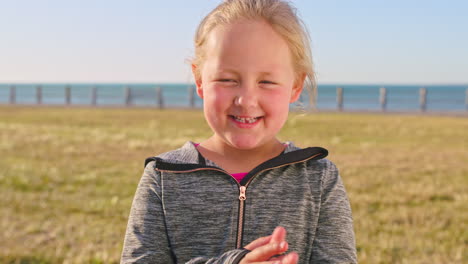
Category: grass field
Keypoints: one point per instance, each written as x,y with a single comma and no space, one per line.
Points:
68,175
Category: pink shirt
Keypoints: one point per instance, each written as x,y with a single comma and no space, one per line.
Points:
239,176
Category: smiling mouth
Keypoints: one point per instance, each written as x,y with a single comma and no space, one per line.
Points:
245,120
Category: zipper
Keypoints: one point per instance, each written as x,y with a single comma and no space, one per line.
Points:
242,191
240,219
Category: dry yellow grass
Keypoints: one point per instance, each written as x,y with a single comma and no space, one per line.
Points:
68,175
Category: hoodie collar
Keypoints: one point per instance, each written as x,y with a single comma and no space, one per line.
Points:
190,156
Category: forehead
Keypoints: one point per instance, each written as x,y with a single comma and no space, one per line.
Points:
251,43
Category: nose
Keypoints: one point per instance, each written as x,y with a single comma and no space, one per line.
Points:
247,97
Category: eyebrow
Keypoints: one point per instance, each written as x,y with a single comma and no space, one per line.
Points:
226,71
235,72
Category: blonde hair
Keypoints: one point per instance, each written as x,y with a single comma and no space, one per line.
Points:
283,19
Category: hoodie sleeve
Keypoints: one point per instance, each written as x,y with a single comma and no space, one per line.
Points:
334,240
146,239
232,256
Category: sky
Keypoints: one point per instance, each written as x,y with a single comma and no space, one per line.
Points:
151,41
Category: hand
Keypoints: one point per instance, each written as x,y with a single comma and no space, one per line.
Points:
263,249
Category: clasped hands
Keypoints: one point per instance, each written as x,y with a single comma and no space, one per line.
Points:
264,249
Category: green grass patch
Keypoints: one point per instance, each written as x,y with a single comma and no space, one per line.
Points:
68,176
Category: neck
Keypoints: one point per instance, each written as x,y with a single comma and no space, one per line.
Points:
235,160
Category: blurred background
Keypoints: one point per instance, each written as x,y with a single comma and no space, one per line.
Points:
69,169
396,56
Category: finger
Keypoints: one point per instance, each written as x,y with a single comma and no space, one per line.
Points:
258,243
279,258
291,258
279,234
267,251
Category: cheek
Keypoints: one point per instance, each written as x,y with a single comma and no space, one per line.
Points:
277,101
216,103
218,96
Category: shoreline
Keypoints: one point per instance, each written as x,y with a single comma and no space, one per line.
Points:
462,114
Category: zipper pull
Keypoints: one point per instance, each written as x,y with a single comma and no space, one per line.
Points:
242,193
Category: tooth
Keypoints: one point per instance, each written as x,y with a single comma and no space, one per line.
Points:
248,120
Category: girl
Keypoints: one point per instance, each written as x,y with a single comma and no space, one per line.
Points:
204,202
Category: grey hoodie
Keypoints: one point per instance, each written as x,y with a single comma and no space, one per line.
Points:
188,209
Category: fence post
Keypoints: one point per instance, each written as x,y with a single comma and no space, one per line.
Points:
67,94
159,97
12,94
128,95
39,94
466,99
94,95
191,93
339,98
423,99
383,99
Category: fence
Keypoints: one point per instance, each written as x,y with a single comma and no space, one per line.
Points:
383,99
156,97
129,96
395,98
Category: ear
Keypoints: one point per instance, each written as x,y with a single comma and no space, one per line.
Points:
198,80
297,88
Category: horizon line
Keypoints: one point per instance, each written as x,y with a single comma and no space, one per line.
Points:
192,83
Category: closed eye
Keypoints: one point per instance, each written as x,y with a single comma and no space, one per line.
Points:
267,82
226,80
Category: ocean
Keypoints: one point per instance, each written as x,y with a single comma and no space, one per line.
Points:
439,98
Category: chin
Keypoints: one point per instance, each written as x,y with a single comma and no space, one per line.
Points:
245,144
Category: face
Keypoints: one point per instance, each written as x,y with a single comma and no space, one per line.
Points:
247,82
